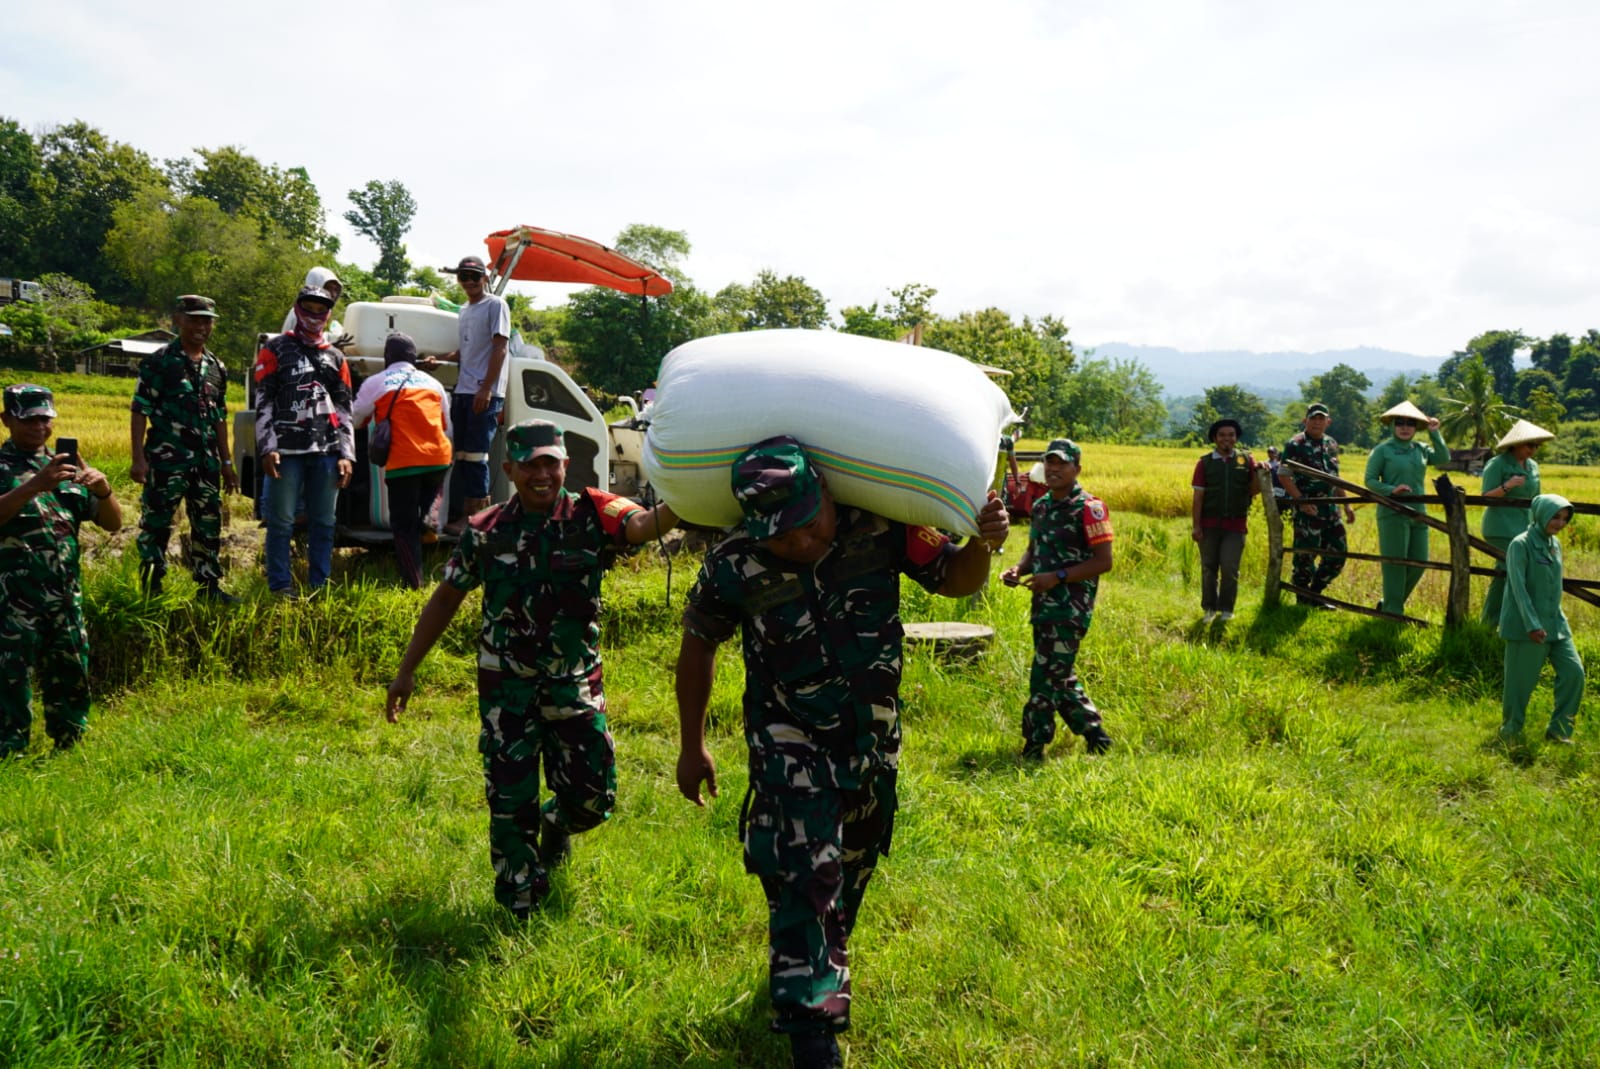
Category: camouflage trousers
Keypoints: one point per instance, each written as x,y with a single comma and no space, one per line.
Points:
195,483
563,723
1053,685
43,632
814,852
1323,532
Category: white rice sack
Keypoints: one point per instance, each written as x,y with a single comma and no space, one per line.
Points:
906,432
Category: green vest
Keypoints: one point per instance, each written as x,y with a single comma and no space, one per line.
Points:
1227,487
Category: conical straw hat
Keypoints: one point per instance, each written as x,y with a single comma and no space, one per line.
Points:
1522,432
1404,410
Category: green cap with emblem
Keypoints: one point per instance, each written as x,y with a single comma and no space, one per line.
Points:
192,304
535,438
24,400
776,487
1066,449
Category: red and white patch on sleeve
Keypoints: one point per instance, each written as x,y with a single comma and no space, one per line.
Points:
1096,522
923,544
614,509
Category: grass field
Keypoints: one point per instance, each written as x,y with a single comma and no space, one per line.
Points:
1304,849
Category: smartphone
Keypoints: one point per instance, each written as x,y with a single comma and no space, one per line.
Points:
69,445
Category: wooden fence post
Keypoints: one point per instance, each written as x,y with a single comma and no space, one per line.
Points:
1269,505
1458,610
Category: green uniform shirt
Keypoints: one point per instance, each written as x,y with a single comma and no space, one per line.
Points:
1395,463
822,646
1503,522
1533,578
540,574
183,401
39,545
1060,534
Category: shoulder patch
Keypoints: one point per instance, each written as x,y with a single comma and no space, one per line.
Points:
1097,509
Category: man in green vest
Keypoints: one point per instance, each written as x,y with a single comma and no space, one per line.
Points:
1224,482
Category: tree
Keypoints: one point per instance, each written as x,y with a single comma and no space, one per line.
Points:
190,245
616,341
383,212
1038,355
1551,354
1544,407
1231,402
868,323
1580,389
1476,409
1534,378
1496,349
1112,401
772,303
1343,390
85,177
242,185
20,180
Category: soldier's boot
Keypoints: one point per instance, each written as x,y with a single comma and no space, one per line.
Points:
815,1050
150,580
214,593
1096,741
555,845
1033,751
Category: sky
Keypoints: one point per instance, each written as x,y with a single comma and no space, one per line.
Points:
1203,174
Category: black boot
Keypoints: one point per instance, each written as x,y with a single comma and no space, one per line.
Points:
815,1050
1096,740
555,845
149,581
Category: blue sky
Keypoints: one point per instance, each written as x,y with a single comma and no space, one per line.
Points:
1203,174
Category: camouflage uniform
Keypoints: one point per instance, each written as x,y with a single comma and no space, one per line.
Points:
822,655
183,401
1062,533
1323,532
540,691
42,624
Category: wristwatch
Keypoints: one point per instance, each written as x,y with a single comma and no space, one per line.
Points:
1061,574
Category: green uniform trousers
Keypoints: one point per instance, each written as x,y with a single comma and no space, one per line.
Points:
49,637
1400,538
1497,585
1524,660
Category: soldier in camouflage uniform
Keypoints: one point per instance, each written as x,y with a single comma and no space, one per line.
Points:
1317,527
539,558
183,456
815,590
45,498
1069,548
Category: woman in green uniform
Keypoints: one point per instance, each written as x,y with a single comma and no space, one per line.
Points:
1398,467
1511,473
1533,625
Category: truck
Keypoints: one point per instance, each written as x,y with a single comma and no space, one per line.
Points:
15,289
602,455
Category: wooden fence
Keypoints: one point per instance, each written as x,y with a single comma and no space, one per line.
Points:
1454,525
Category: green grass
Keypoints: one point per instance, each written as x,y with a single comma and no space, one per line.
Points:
1304,850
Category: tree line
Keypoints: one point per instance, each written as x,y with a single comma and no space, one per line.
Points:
113,236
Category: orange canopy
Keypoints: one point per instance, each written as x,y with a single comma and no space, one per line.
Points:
532,254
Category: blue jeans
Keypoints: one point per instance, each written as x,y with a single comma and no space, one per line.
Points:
472,434
318,475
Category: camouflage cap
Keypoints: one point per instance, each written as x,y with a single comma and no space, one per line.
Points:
1316,408
24,400
1066,449
192,304
776,486
535,438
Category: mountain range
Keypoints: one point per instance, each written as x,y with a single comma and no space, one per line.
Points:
1183,373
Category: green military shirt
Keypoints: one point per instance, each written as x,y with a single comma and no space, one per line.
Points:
39,545
1533,578
540,574
1505,522
183,400
1395,463
1322,454
1060,534
822,646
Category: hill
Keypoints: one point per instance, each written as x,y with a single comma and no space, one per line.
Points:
1183,373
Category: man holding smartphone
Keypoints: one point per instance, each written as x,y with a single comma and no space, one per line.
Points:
179,430
44,497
